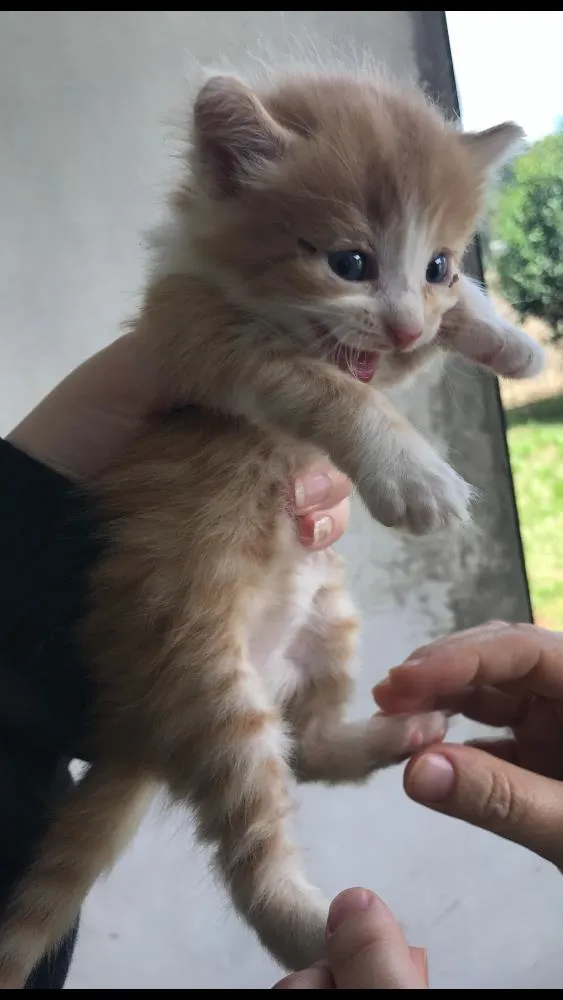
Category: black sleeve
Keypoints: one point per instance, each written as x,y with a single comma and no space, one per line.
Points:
48,539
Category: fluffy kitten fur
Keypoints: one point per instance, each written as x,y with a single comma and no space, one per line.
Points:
223,651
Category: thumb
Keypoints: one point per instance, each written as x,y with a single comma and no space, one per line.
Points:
366,948
491,793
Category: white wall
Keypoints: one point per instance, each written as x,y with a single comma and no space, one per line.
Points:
83,157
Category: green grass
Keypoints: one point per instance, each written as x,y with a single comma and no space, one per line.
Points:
535,439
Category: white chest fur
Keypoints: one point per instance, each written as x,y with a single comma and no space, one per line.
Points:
280,613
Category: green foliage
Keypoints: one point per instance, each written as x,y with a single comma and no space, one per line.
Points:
526,234
535,437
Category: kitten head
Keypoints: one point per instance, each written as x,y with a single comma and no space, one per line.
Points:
338,209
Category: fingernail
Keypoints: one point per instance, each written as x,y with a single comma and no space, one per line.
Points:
346,905
431,778
311,490
324,526
313,532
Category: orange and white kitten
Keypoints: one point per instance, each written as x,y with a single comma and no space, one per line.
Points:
311,259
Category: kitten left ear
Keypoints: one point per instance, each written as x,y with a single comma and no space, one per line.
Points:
234,135
493,147
474,329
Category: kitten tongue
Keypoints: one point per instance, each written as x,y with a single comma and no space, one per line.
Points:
360,364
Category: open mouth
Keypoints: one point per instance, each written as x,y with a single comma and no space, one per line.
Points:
361,365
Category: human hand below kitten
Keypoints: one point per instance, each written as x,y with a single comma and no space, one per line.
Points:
95,412
365,950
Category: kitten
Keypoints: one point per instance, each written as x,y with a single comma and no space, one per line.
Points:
312,258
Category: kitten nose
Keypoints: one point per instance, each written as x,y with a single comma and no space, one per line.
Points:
403,336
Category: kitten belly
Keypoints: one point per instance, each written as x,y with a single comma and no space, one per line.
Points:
279,613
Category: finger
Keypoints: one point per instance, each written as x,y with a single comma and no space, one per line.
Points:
503,749
486,705
320,488
366,948
526,657
317,977
491,793
419,958
318,531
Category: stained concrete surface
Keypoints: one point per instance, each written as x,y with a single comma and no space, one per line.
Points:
86,98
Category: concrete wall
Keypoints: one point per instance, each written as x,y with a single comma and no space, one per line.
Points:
83,158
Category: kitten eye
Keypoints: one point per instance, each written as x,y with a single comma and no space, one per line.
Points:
350,265
438,269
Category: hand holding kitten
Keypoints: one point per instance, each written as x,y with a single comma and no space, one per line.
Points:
90,418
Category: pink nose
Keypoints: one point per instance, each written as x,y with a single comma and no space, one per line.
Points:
403,336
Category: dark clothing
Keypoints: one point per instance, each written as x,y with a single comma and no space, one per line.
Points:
48,540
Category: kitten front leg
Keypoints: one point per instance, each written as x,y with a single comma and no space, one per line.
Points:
328,748
401,479
474,329
349,752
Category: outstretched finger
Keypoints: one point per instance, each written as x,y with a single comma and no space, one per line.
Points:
526,658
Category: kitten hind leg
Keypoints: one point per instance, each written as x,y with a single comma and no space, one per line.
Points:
328,748
233,768
90,828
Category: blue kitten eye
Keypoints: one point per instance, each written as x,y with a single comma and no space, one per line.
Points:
438,269
350,265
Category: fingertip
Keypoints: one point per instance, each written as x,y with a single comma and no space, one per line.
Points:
316,531
348,903
320,487
397,702
367,948
320,530
429,778
310,490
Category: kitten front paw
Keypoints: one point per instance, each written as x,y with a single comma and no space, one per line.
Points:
421,496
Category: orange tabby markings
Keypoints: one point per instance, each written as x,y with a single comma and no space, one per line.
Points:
319,219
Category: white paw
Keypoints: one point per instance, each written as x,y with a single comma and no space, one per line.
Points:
398,736
520,357
419,495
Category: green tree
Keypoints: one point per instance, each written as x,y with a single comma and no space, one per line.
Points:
526,233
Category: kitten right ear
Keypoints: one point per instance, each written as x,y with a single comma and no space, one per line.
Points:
234,134
494,146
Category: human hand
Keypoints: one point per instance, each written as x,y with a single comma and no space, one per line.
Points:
501,675
366,950
97,410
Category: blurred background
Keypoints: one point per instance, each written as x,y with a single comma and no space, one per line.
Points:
508,65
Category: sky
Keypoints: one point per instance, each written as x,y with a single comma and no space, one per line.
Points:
508,66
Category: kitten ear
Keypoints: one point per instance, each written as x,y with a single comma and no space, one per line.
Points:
234,134
474,329
493,147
